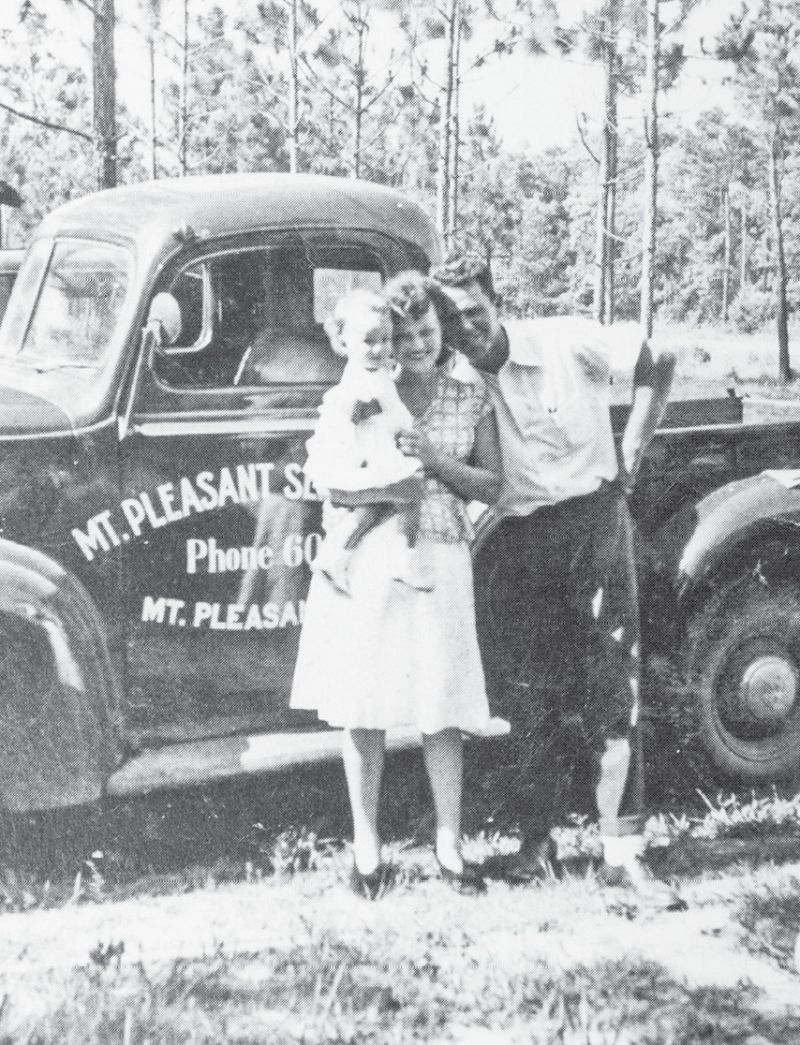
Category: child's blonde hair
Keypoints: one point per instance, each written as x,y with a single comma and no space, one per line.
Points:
359,298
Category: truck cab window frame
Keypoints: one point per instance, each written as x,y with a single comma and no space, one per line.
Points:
76,315
252,317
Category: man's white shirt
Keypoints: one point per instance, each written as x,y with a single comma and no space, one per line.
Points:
552,403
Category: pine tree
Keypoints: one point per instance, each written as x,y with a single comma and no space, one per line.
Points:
763,44
104,75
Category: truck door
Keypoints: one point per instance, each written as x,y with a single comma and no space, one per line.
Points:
221,526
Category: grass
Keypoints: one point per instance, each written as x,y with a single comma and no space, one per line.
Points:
548,964
731,817
268,946
710,360
388,988
337,994
769,917
389,984
734,830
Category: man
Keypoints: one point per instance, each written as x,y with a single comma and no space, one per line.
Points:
562,555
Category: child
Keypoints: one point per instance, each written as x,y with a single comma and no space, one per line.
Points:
353,454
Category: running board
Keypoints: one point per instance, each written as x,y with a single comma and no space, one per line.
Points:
201,761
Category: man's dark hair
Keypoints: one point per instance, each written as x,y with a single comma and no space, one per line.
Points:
460,269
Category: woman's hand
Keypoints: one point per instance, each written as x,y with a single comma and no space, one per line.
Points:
479,481
414,443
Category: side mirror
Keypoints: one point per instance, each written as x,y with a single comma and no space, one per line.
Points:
164,319
163,328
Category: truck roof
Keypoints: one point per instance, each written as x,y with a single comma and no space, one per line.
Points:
222,204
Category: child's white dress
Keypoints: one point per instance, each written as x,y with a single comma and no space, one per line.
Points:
387,654
347,454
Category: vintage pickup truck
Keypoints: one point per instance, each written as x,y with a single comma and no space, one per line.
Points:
161,363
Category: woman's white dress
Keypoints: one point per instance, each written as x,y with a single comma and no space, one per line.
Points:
388,654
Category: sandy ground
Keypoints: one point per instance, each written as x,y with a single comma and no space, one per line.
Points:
564,924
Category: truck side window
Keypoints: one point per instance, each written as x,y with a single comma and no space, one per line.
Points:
253,318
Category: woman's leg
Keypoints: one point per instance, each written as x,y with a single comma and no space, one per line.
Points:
363,753
444,762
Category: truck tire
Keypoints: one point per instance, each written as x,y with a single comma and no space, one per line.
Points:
744,674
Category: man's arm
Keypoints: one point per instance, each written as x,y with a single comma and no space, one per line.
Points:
652,381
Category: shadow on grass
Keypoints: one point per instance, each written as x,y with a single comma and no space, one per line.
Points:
331,991
245,828
179,840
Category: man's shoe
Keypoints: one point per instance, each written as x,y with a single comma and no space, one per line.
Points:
613,875
649,892
534,862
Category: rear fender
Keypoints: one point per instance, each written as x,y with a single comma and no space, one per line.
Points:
735,522
59,731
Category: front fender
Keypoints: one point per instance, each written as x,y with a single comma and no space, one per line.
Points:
739,516
59,712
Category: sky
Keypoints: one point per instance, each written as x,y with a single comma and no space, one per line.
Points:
535,101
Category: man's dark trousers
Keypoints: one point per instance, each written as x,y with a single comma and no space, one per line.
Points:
559,625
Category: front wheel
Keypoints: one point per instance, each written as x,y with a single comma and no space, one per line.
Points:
744,670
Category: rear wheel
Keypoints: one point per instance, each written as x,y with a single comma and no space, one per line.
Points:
744,670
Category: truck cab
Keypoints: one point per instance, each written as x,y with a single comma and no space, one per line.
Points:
162,360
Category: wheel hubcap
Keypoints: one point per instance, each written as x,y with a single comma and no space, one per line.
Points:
768,688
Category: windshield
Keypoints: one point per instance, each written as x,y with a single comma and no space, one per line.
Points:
78,306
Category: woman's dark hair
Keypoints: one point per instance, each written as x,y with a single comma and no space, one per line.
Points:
410,295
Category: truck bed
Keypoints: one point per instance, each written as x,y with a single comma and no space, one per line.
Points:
701,445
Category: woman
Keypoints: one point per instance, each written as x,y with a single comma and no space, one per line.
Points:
389,654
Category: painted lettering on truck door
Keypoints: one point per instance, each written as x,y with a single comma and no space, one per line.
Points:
216,523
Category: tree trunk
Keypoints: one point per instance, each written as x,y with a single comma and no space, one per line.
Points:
744,247
607,175
766,268
360,24
154,19
443,194
455,137
779,255
183,110
151,47
613,174
650,167
726,251
105,102
601,216
294,86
